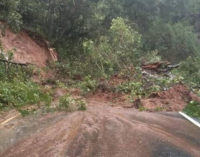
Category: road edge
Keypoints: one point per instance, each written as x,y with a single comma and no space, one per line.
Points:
190,119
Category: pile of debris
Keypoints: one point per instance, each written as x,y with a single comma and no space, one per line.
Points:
159,67
174,99
26,49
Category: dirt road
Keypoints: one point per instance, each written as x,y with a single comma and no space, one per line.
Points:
101,131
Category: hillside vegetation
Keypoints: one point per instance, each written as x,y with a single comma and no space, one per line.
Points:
99,39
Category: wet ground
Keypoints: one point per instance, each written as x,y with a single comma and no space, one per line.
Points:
101,131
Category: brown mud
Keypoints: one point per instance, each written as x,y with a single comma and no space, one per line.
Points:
25,49
174,99
101,131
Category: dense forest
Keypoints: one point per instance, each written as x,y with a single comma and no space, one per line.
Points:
170,27
99,38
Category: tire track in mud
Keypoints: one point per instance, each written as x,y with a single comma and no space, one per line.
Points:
164,135
104,131
57,135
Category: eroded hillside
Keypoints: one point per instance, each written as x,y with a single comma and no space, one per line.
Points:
26,49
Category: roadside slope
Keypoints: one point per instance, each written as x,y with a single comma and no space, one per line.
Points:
27,50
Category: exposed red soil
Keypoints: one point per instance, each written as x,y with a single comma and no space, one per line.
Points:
174,99
116,99
117,80
155,66
26,49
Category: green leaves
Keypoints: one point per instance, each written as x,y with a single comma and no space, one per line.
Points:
166,25
114,51
18,94
175,42
9,9
87,85
69,104
193,109
190,70
14,19
125,40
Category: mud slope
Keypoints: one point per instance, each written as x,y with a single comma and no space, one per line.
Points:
174,99
26,50
101,131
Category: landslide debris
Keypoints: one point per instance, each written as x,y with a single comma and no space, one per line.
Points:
174,99
25,49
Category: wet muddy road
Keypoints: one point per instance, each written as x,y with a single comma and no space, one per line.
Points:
101,131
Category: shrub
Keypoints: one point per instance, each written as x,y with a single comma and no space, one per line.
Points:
193,109
9,12
175,42
151,57
14,20
190,71
88,85
69,104
18,94
61,69
117,50
10,71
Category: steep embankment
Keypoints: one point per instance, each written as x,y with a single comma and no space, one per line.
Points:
26,49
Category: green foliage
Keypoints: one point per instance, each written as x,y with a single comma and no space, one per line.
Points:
175,42
9,71
60,84
142,108
166,82
82,106
142,86
115,51
125,41
159,109
151,57
18,94
69,104
15,21
16,89
61,70
131,87
190,71
138,89
169,26
99,57
88,85
9,10
25,112
193,109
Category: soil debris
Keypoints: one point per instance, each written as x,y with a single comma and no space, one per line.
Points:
159,67
26,50
173,99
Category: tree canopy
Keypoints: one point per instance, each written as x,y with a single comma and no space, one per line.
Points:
169,26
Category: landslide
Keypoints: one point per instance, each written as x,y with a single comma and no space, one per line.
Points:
174,99
25,49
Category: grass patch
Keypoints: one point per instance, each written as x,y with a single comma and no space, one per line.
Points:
70,104
88,85
193,109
